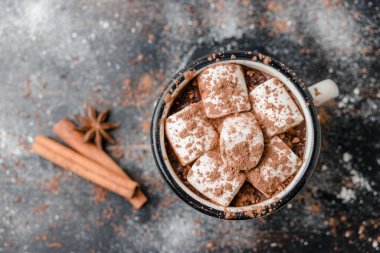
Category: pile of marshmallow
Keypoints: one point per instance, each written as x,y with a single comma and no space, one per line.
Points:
223,159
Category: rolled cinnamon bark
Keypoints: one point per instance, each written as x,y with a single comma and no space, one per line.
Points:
53,151
65,130
85,162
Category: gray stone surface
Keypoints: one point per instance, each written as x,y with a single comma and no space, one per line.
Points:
74,52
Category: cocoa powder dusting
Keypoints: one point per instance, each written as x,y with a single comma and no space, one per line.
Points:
294,138
226,90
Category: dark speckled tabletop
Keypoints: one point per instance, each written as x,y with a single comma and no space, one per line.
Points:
56,56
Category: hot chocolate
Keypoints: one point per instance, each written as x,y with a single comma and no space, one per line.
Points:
235,135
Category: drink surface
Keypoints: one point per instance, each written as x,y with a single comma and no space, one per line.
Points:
294,138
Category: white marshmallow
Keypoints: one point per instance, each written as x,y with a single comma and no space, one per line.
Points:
211,177
277,165
223,90
190,134
241,141
274,108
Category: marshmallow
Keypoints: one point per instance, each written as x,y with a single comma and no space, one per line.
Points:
241,141
223,90
190,134
274,108
211,177
278,164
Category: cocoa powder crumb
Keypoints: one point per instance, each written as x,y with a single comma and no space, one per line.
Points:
138,58
267,60
100,194
210,246
167,98
55,245
117,151
40,208
128,92
247,195
27,91
229,215
145,126
314,208
296,140
279,26
189,74
53,184
275,7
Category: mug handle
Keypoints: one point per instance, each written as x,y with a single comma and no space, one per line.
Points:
324,91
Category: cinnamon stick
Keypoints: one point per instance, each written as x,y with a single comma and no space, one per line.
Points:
84,162
65,129
44,149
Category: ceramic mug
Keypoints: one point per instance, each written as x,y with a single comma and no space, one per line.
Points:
308,99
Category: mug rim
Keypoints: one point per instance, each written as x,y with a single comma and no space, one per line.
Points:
220,57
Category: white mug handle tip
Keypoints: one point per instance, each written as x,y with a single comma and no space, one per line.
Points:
324,91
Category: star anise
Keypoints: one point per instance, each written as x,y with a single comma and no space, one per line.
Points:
95,128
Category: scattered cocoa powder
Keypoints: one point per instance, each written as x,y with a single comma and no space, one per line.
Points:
117,151
166,202
108,212
143,88
100,194
27,91
40,208
53,184
280,26
145,126
314,208
275,7
189,74
229,215
120,230
55,245
128,92
138,58
209,246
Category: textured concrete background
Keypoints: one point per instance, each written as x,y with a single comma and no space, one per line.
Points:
55,56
